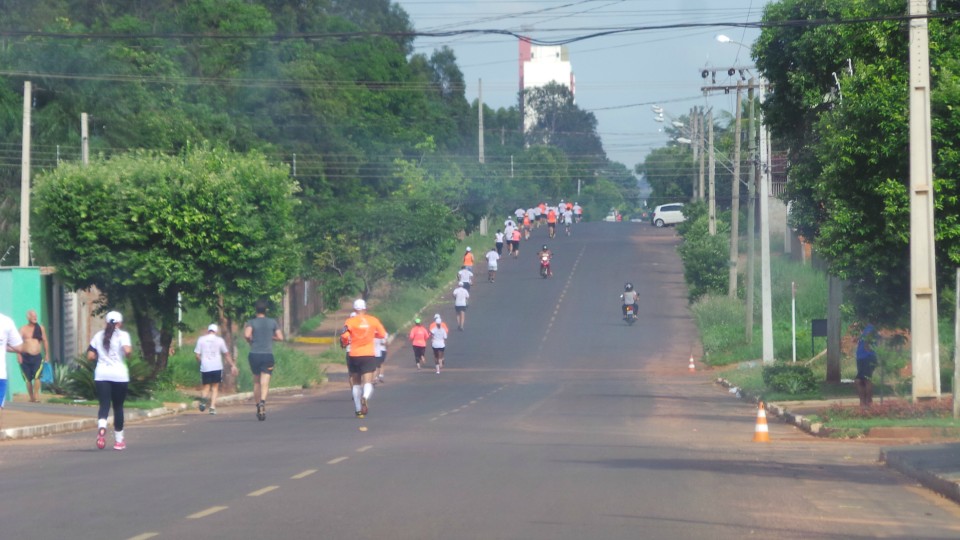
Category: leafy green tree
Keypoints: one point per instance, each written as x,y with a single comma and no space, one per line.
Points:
143,228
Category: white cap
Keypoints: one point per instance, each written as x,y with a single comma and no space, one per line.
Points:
468,248
436,317
359,304
213,328
460,284
353,313
114,317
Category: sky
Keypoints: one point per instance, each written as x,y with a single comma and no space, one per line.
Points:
618,78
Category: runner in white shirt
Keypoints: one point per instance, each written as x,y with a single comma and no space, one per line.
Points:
519,212
110,347
438,340
577,212
499,242
508,235
460,296
567,220
492,258
465,276
210,351
380,349
10,340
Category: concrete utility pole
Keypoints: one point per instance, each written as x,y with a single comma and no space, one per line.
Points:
735,201
702,144
925,345
766,307
712,205
834,299
25,178
84,138
694,137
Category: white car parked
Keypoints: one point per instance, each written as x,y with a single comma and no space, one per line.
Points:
668,214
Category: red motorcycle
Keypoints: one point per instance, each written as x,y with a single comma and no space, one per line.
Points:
544,266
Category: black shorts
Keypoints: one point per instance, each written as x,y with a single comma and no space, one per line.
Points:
437,351
211,377
31,366
419,351
361,364
466,285
261,363
460,309
515,244
382,358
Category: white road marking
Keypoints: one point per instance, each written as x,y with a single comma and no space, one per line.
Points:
304,474
334,461
209,511
364,448
144,536
260,492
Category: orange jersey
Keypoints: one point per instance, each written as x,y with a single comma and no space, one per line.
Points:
419,336
468,259
551,217
359,332
526,221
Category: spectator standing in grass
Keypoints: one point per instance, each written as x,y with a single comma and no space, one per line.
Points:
260,332
210,351
866,363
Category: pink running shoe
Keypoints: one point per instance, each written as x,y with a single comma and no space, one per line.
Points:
102,438
120,445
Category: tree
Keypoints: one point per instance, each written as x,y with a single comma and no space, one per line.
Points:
211,225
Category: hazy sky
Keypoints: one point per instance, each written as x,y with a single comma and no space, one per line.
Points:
618,77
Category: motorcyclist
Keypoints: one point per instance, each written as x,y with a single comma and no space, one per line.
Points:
546,253
629,298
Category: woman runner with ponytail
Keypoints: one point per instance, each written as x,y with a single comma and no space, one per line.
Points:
109,347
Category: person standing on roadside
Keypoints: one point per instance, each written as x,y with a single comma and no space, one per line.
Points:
866,363
438,340
109,348
468,259
210,351
418,337
10,340
359,333
260,332
493,256
460,297
35,347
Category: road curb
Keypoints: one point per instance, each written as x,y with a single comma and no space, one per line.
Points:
131,416
813,428
944,486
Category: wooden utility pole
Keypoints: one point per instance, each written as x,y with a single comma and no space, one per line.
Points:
735,201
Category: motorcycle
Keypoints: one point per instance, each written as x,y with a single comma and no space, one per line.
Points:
544,266
629,314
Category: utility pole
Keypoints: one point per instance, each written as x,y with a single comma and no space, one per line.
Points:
712,205
766,307
925,346
694,137
735,202
84,138
480,117
25,178
751,214
701,143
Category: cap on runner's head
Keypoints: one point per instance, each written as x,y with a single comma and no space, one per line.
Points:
468,248
436,317
213,328
544,247
353,313
460,284
416,321
114,317
359,304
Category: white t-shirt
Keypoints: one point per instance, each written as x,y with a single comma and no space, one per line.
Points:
508,232
460,296
438,336
567,216
379,346
499,237
492,258
519,213
465,276
9,335
211,349
531,215
111,365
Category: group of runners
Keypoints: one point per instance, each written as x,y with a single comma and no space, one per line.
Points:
565,213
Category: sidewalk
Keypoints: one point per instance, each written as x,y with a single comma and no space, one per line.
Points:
923,456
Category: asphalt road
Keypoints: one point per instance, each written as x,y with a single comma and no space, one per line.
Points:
552,420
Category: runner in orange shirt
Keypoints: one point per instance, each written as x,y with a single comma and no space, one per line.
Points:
418,339
468,259
552,222
359,333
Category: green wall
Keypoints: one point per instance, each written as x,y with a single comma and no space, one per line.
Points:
20,290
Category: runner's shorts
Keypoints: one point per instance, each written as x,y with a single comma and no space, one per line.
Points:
361,364
261,363
211,377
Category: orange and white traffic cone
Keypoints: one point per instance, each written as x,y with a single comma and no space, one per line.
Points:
761,433
692,367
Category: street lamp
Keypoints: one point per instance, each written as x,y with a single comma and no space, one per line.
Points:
726,39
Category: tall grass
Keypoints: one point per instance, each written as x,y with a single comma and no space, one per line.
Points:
293,368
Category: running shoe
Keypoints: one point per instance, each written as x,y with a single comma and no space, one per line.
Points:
213,411
203,405
360,415
102,438
262,411
380,378
438,369
363,406
120,445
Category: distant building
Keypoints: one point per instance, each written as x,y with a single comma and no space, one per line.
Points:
541,65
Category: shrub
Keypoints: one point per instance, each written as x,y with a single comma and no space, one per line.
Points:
791,378
705,259
79,379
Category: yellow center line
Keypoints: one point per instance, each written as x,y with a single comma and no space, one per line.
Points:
260,492
207,512
304,474
334,461
144,536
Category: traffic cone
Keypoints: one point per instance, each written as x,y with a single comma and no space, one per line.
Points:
692,367
761,433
